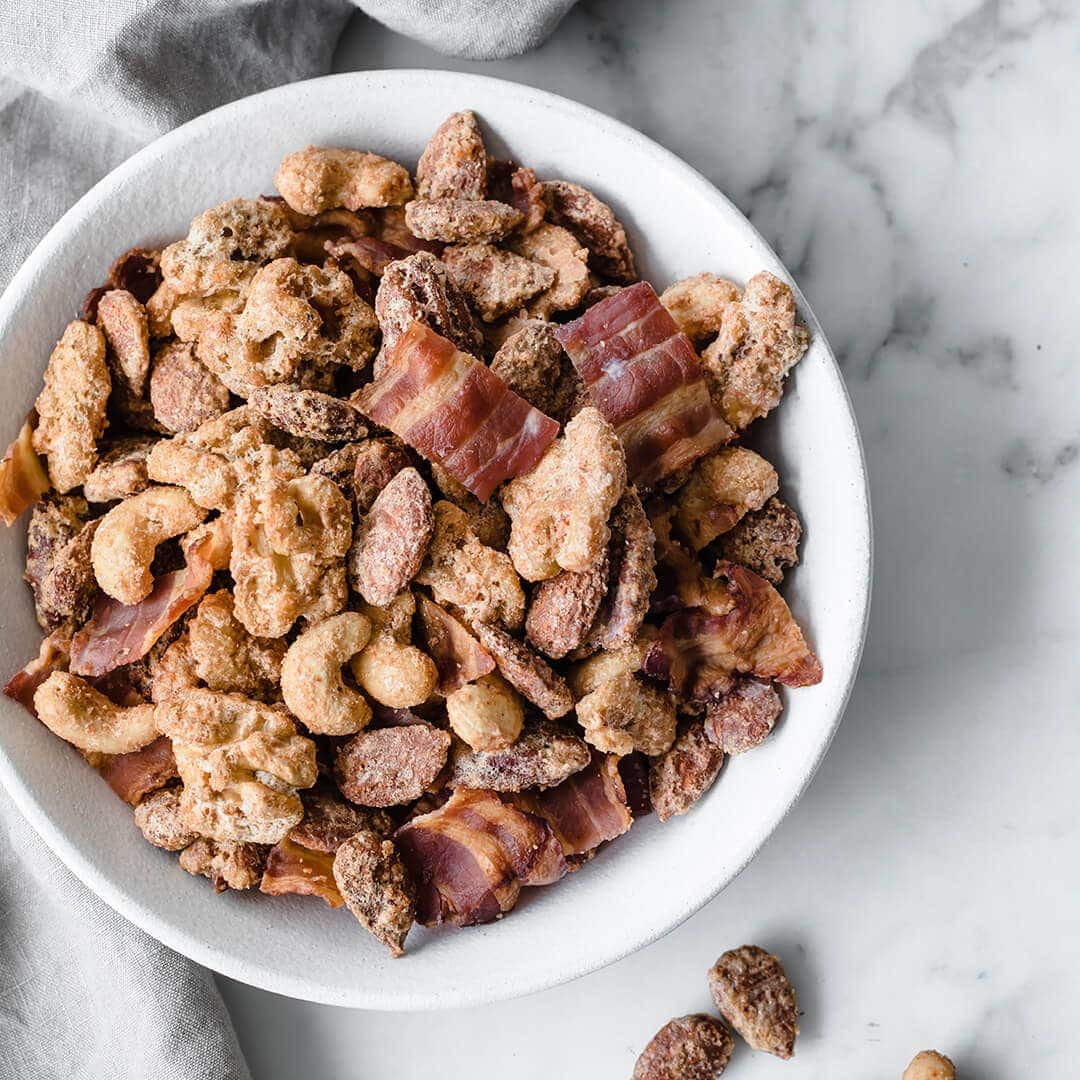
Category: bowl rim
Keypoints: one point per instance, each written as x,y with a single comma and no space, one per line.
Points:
310,989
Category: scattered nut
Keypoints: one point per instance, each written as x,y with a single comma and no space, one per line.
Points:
183,392
120,471
308,414
123,320
930,1065
321,178
391,766
394,673
329,821
689,1048
741,719
58,561
496,281
765,541
378,461
486,713
376,888
563,609
755,997
71,708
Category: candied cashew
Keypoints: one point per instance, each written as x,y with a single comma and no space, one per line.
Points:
184,393
311,675
543,756
595,223
454,162
755,997
694,1047
625,714
376,888
930,1065
391,766
526,672
124,545
306,515
559,511
120,471
461,221
226,657
698,304
71,407
557,248
308,414
496,281
123,320
158,818
228,864
682,774
765,541
322,178
71,708
487,713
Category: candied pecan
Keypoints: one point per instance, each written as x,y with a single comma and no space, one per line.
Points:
135,271
742,717
557,248
755,997
378,461
329,821
308,414
487,714
390,766
454,162
320,178
228,864
694,1047
563,609
392,539
699,304
58,566
123,321
158,819
496,281
462,572
532,363
723,488
682,774
184,393
765,541
930,1065
419,289
461,221
120,471
543,756
376,888
595,224
625,714
226,657
71,407
526,672
759,342
559,511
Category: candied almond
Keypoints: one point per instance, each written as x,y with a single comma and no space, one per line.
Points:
930,1065
308,414
228,864
461,221
58,566
563,608
321,178
376,888
526,672
454,162
158,819
694,1047
123,320
391,766
542,756
682,774
765,541
557,248
755,997
741,718
184,393
378,461
595,224
496,281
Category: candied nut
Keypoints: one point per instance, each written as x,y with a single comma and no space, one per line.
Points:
123,320
694,1047
339,465
392,539
311,676
458,656
465,574
526,672
419,289
395,674
543,756
120,471
627,659
329,821
183,392
559,511
195,317
722,488
241,762
625,714
224,245
563,609
305,515
755,997
930,1065
742,718
308,414
391,766
487,713
699,304
58,566
557,248
226,657
487,519
135,271
454,162
228,864
158,819
759,342
321,178
595,224
681,775
527,195
124,545
378,461
532,363
71,708
159,310
376,888
461,221
173,672
496,281
765,541
71,408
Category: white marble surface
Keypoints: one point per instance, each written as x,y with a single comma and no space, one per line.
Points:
914,163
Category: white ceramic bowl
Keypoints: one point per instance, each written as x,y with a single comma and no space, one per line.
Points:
657,875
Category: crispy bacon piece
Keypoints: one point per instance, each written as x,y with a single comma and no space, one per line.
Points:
457,412
586,809
133,776
52,656
23,479
118,634
293,868
470,858
459,657
643,375
757,636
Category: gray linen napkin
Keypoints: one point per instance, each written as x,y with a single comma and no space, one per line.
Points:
83,85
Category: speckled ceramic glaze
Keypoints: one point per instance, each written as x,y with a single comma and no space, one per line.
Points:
651,879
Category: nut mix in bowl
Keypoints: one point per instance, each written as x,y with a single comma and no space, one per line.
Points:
395,545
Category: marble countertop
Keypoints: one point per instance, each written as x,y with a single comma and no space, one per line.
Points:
914,165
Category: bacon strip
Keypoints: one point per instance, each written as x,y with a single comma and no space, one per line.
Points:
643,375
459,657
471,857
118,634
133,776
292,868
23,479
586,809
457,412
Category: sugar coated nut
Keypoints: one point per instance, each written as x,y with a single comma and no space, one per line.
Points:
487,714
681,775
688,1048
394,674
391,766
321,178
376,888
123,320
454,162
71,708
229,864
930,1065
755,997
158,818
311,676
